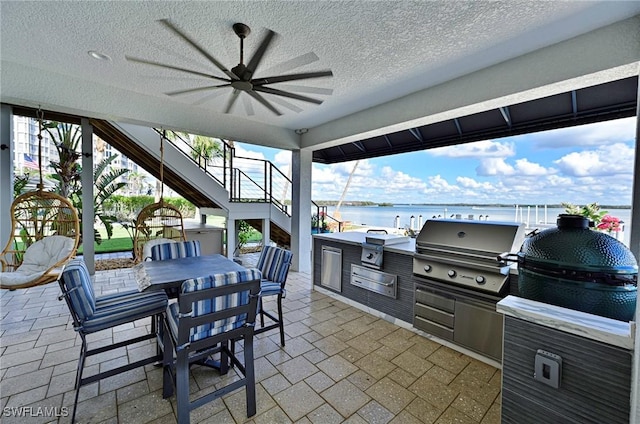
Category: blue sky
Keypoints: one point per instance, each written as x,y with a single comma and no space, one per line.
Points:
584,164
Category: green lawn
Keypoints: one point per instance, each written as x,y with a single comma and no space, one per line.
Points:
121,242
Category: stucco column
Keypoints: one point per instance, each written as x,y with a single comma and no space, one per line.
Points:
232,235
6,172
634,245
88,214
301,162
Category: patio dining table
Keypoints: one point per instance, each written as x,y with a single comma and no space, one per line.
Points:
169,274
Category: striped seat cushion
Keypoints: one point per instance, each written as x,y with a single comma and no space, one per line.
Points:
182,249
125,307
97,314
268,288
215,304
274,264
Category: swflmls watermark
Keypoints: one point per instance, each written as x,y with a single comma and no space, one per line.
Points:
35,411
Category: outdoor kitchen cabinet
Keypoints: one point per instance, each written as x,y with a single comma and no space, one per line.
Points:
397,262
211,238
588,374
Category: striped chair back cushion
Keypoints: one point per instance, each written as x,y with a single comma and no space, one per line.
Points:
181,249
77,283
219,303
274,264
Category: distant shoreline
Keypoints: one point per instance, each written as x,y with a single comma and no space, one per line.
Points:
486,205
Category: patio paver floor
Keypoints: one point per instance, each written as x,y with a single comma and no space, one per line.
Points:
340,364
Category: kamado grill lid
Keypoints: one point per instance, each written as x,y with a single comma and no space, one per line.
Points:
575,252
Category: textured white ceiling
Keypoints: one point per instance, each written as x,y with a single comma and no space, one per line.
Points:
378,52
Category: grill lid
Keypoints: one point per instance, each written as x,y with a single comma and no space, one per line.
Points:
475,239
575,252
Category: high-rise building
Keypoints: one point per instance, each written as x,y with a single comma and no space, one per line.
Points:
26,157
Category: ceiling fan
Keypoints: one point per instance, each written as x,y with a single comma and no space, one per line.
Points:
241,77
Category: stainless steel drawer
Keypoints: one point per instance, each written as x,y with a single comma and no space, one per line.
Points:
433,328
431,299
432,314
375,281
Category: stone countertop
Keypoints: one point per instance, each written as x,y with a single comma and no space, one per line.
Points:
196,225
358,237
594,327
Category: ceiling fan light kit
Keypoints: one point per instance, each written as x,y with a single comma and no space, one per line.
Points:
240,78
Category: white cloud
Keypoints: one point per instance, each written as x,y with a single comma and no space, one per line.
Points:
587,135
494,166
241,151
476,186
616,159
282,158
486,148
524,167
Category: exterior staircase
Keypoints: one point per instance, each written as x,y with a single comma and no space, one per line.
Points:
223,186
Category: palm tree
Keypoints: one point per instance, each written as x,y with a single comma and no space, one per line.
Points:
136,180
66,138
105,185
204,149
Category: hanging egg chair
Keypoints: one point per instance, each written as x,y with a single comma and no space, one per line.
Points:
45,233
158,222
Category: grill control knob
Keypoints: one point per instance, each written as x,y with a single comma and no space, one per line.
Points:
451,273
370,256
427,268
480,279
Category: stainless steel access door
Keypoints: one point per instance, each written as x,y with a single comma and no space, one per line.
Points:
331,268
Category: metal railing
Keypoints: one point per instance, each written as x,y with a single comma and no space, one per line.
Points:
247,179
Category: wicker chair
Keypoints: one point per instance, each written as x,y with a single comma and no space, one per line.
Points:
32,256
157,221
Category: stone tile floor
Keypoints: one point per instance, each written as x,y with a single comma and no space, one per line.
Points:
339,364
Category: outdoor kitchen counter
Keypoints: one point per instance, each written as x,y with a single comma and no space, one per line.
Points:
564,366
594,327
340,253
358,237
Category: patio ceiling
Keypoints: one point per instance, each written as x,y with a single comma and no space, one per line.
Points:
408,70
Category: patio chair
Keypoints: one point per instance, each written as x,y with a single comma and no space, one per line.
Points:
175,250
92,314
146,249
274,265
210,313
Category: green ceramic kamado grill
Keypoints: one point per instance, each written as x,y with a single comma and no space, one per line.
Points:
575,267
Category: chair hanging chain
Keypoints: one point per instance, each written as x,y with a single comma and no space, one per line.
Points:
40,116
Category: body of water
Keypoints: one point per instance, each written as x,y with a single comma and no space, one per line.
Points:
388,216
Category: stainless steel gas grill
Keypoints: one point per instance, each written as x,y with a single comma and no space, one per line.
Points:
459,277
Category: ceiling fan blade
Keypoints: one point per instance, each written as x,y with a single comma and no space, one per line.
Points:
257,56
248,107
294,63
175,68
195,90
305,89
196,46
232,100
287,94
288,105
264,102
291,77
208,97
